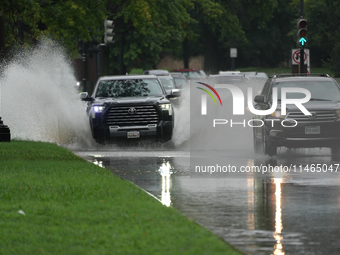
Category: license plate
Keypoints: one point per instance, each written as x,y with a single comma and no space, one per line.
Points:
133,134
312,130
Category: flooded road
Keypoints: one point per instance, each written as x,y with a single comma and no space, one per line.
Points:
294,212
259,213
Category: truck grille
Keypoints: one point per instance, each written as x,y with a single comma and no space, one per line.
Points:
316,116
132,115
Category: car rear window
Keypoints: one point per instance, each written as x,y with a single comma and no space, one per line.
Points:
230,79
129,88
167,82
191,74
323,90
180,82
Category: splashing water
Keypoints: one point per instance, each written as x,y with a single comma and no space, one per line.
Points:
181,134
39,102
38,99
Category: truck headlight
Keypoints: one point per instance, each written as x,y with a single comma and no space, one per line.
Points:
277,114
97,109
166,107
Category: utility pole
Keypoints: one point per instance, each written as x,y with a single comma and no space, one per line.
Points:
232,57
122,70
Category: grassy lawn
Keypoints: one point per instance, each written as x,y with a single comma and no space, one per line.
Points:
53,202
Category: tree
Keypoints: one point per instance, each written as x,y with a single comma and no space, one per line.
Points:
143,28
211,24
323,32
270,29
216,24
25,21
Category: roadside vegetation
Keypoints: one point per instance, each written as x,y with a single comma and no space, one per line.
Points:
54,202
263,31
281,70
268,71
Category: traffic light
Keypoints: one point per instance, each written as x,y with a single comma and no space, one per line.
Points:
301,33
109,32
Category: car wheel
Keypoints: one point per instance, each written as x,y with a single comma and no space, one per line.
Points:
257,145
165,138
268,148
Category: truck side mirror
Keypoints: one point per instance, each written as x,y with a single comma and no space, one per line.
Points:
84,96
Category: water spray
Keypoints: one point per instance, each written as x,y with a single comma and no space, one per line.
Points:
39,100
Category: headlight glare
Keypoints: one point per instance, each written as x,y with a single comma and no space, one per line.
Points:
166,107
277,114
97,108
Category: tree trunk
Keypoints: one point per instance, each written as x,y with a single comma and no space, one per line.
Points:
122,69
186,53
211,58
2,35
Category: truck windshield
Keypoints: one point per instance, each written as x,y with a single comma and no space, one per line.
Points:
129,88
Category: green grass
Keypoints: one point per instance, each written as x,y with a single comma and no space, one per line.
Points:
75,207
136,71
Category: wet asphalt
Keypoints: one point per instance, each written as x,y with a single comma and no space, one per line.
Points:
282,212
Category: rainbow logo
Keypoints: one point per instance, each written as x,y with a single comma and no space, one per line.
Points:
209,93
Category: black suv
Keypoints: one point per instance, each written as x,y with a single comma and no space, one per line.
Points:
124,107
295,129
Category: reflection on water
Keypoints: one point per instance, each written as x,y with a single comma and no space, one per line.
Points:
155,175
251,203
272,213
98,162
151,174
165,172
278,248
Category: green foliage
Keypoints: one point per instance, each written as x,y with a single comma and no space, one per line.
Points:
268,36
67,20
264,31
323,31
145,27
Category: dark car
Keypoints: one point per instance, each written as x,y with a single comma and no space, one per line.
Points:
320,128
127,107
180,80
5,133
